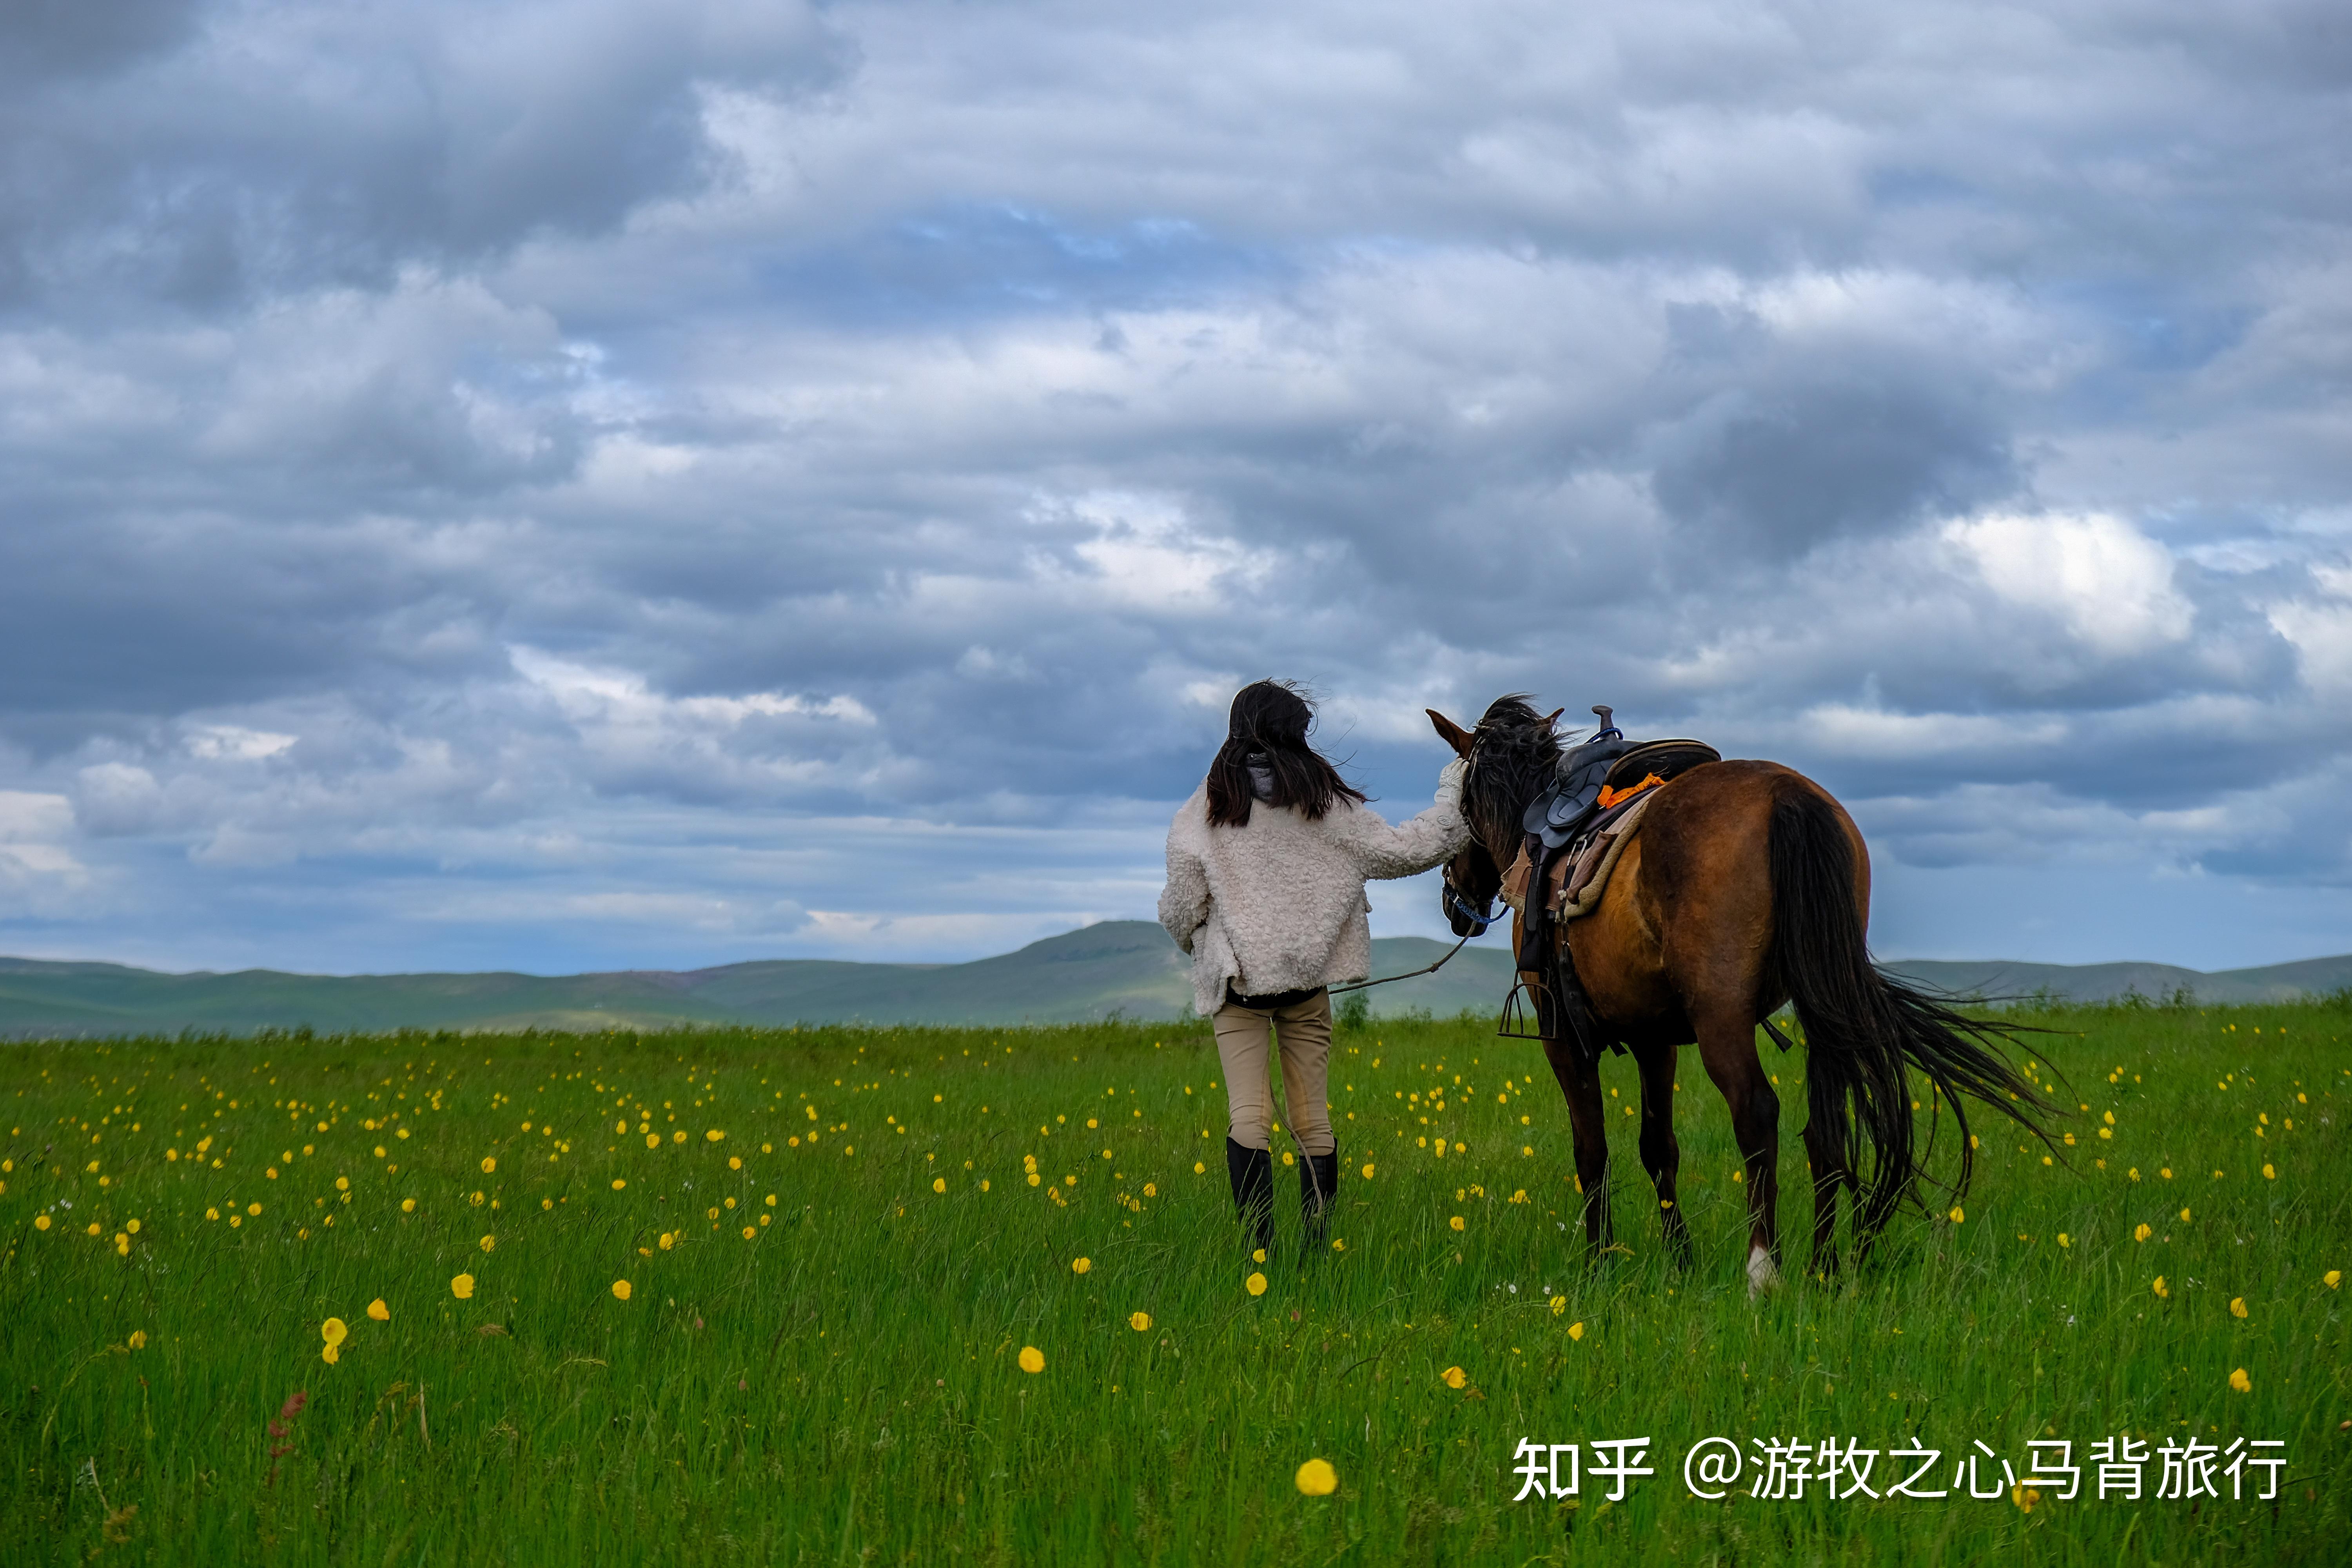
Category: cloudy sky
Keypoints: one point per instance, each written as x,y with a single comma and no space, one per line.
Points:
569,484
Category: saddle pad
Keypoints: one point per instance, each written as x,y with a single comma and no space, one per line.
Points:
1515,881
1577,888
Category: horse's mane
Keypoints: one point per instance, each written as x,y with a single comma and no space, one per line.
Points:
1517,752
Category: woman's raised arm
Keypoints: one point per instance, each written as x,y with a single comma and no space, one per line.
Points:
1410,848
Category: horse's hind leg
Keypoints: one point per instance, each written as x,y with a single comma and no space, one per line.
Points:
1727,1042
1662,1156
1580,1081
1829,1173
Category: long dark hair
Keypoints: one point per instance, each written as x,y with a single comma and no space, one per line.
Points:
1270,720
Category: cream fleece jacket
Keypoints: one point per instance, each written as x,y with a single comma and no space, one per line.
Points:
1277,904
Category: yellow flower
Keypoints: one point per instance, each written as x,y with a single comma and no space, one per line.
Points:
330,1354
488,1166
2024,1497
2161,1292
734,1161
2063,1241
490,1243
619,1181
749,1231
1080,1265
1558,1306
2237,1306
620,1290
653,1140
2269,1173
1032,1359
1151,1189
938,1183
138,1341
714,1135
253,1208
2141,1233
1455,1377
1367,1173
1198,1169
1338,1245
1259,1255
2184,1217
1576,1331
41,1221
2333,1279
1140,1322
2240,1382
1317,1478
462,1287
1254,1284
1958,1215
379,1312
1455,1222
408,1205
334,1332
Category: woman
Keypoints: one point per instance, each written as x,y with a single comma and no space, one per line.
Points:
1266,866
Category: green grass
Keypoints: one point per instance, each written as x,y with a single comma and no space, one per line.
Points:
844,1387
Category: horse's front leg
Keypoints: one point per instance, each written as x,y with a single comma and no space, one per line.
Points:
1727,1042
1662,1156
1580,1081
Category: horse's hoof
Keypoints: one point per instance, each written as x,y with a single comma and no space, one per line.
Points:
1763,1274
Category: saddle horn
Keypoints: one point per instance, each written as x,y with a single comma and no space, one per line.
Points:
1608,731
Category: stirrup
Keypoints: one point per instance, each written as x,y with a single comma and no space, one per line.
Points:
1521,1020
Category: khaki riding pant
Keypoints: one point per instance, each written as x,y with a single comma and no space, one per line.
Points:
1304,1030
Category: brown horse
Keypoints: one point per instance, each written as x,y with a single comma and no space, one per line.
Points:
1746,887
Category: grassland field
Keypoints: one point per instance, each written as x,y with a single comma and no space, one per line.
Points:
766,1296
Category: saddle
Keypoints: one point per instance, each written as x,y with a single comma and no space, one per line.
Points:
1575,831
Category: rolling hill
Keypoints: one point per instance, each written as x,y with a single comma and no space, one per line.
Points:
1127,967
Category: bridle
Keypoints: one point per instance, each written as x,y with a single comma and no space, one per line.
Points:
1476,916
1453,900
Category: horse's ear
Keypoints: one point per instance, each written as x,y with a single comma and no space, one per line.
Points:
1453,735
1552,716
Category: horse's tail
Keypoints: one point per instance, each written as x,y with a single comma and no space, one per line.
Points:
1862,1030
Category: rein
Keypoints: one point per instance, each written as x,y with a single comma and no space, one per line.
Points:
1366,985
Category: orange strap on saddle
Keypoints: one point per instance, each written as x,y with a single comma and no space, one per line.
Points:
1610,797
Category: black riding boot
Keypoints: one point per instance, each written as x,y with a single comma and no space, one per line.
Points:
1252,1173
1318,1187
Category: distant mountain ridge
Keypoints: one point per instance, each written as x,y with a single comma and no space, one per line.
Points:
1124,968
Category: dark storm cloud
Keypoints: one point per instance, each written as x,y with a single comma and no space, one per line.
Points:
606,479
1787,463
210,154
59,40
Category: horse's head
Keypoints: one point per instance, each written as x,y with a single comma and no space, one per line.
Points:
1511,753
1467,888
